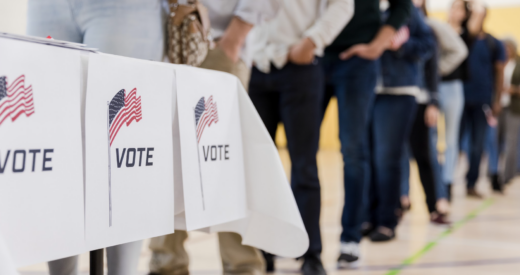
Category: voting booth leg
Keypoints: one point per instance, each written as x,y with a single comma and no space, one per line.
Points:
96,262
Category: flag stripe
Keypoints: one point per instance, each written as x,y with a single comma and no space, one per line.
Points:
130,112
19,100
207,118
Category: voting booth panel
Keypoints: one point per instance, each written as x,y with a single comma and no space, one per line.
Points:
129,155
41,165
211,142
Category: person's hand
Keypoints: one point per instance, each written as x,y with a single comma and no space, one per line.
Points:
431,115
365,51
302,53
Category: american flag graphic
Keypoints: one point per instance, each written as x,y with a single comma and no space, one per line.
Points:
401,37
15,99
205,114
123,109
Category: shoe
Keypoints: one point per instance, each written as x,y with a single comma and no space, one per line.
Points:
439,219
269,261
472,193
312,265
497,185
366,229
382,234
349,255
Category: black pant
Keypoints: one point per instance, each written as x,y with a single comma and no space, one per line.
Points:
420,145
293,95
474,123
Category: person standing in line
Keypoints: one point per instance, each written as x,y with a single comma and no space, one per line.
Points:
351,70
482,93
231,21
392,119
286,86
451,52
451,90
512,116
128,28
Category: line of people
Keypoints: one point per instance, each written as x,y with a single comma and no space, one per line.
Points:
390,67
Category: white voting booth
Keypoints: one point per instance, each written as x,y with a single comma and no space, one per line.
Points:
98,150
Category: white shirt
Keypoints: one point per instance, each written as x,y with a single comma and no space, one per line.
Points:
320,20
508,75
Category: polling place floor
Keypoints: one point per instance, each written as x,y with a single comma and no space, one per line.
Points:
484,240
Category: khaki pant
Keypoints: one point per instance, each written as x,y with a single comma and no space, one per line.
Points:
168,254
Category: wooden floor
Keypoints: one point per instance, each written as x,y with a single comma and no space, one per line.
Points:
485,238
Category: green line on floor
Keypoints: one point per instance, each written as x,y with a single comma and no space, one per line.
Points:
443,235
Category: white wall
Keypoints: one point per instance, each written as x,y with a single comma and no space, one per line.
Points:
13,16
444,4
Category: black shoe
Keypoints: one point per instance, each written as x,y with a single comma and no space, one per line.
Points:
269,261
366,229
312,265
496,183
448,189
472,193
349,255
382,234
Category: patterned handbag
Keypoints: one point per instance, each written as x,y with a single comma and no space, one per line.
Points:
188,33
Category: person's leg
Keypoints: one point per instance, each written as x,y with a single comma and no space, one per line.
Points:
266,99
65,266
405,170
420,144
491,147
512,131
123,259
129,28
354,84
451,97
392,122
239,259
300,108
478,137
53,18
168,254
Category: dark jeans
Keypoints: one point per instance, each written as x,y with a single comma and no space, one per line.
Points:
353,83
421,147
474,124
391,123
293,95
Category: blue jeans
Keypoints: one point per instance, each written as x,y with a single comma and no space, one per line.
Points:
132,28
353,83
293,95
451,99
392,120
474,125
493,149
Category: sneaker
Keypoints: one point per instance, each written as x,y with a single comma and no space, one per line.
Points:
349,255
312,265
472,193
382,234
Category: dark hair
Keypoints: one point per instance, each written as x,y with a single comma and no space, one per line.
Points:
467,8
424,9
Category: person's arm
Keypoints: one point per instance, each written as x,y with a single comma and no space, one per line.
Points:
335,17
234,37
399,12
421,44
476,20
453,50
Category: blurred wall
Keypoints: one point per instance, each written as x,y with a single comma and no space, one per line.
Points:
13,16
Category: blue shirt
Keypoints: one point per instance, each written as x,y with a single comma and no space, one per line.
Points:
480,87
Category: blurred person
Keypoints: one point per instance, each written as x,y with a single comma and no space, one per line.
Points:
482,93
351,68
451,52
512,116
128,28
465,23
231,22
393,117
287,86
